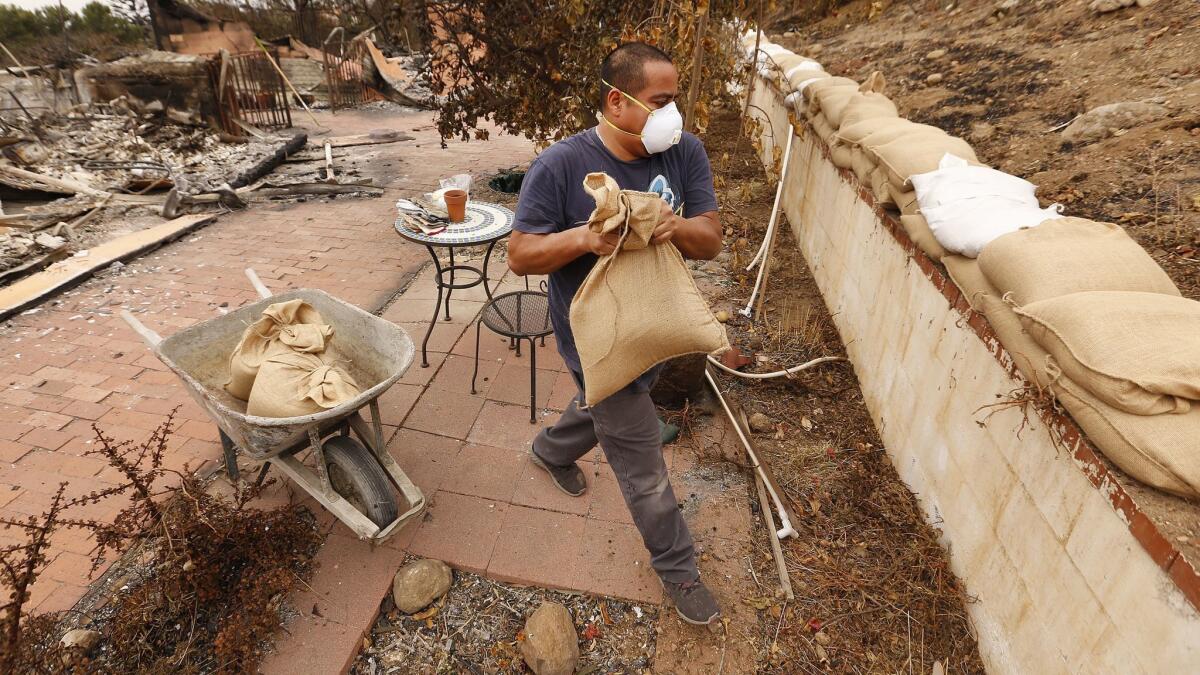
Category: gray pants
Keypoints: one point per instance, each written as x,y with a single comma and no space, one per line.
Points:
626,427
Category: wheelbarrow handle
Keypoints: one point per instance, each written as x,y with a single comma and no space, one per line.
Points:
150,337
259,286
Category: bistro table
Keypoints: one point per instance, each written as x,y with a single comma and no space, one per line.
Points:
485,224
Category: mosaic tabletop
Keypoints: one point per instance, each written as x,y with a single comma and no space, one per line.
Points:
485,223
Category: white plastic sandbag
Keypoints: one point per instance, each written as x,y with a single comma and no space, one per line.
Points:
956,179
969,206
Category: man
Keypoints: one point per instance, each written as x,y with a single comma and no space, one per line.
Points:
638,141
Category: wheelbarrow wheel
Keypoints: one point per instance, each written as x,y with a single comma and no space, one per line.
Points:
360,480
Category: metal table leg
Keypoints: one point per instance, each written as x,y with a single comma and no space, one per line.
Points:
437,306
487,257
450,288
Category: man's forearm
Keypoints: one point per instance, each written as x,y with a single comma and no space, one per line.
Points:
544,253
699,237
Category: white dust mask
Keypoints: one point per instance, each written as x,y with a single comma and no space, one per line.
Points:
663,129
664,126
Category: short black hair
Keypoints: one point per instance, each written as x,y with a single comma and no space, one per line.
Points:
625,67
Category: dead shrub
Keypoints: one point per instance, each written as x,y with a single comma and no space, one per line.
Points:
204,591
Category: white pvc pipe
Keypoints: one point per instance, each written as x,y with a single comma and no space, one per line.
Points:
779,373
786,530
787,153
762,269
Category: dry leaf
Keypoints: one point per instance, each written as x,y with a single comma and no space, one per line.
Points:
806,423
427,614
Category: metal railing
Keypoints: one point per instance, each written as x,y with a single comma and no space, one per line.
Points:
250,89
344,62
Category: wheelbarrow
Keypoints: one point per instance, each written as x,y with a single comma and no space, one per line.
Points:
355,478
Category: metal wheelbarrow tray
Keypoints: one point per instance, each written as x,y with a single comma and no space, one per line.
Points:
354,480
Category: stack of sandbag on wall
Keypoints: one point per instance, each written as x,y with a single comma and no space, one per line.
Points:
790,72
284,365
1086,311
838,102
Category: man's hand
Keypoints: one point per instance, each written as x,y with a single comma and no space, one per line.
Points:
600,244
668,224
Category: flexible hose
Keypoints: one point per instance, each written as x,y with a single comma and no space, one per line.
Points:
779,373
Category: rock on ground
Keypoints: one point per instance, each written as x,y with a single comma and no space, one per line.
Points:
551,646
418,584
1102,6
761,423
981,131
78,643
1100,123
81,638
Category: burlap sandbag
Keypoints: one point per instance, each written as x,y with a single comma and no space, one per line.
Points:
918,230
639,305
831,102
905,200
875,131
824,130
310,338
1158,450
878,182
257,339
291,383
842,156
965,274
1070,255
818,92
1137,352
874,84
861,163
919,152
870,106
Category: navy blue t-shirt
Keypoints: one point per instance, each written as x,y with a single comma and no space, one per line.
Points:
553,200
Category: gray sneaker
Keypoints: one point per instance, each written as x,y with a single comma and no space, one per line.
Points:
693,601
569,479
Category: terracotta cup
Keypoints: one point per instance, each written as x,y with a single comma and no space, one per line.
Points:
456,205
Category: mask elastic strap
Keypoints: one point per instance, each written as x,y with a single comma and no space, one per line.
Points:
600,116
640,104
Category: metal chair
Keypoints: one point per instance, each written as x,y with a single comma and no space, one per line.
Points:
518,315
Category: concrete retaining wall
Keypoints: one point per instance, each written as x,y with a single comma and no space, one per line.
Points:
1062,582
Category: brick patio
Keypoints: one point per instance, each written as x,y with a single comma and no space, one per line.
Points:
72,363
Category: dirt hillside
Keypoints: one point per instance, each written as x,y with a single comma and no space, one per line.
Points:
1010,75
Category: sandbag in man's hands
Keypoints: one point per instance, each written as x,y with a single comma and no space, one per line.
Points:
669,223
